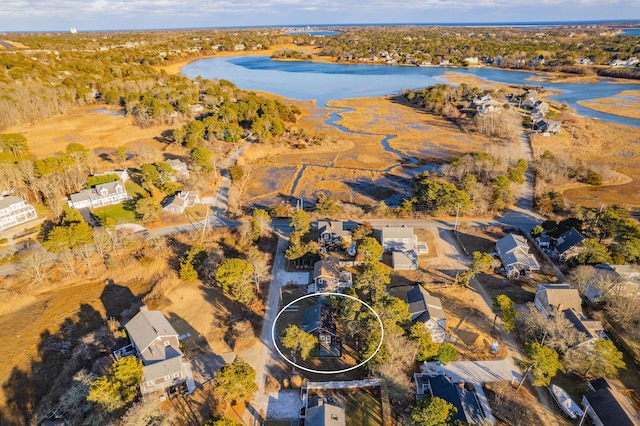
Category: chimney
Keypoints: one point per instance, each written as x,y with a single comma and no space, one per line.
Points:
320,402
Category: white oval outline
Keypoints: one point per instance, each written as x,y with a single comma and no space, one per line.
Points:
311,370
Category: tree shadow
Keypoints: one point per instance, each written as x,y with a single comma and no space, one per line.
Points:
116,299
59,356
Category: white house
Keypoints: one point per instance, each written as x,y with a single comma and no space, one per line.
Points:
14,211
179,202
101,195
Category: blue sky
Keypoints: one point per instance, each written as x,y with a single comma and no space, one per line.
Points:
86,15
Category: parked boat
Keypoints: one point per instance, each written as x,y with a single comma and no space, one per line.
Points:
564,401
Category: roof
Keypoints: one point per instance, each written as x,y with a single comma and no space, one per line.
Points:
333,227
404,258
397,232
568,240
325,414
146,327
422,305
327,267
590,327
176,163
561,296
167,366
465,401
510,242
320,316
10,200
612,407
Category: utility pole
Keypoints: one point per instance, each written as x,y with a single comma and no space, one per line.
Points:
457,214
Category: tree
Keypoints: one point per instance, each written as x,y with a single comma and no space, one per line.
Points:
296,248
122,155
481,262
120,386
464,278
32,264
594,253
394,314
234,275
192,257
604,360
556,331
363,230
369,250
295,339
260,224
501,192
433,411
505,308
446,352
147,209
300,222
544,363
235,380
201,159
536,231
372,280
427,348
326,205
14,143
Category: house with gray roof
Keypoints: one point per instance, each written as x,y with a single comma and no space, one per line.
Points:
568,245
157,345
466,401
558,296
321,321
100,195
402,239
14,211
423,308
513,251
607,404
333,234
178,203
325,413
328,277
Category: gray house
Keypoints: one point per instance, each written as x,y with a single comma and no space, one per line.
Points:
424,308
606,404
325,413
558,296
568,245
321,321
513,251
156,343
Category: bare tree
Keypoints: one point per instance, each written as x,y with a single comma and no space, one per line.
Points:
33,264
624,310
394,371
261,267
555,332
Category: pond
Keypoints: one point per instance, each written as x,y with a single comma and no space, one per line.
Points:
322,82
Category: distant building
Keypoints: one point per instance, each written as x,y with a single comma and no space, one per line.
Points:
101,195
123,175
14,211
157,345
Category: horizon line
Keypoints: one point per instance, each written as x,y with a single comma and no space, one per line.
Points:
395,24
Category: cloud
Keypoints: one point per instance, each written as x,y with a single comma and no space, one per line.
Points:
103,14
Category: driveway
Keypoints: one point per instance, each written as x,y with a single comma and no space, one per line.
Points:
475,371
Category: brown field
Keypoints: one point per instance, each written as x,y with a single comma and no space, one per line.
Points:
612,147
15,44
625,104
93,126
354,167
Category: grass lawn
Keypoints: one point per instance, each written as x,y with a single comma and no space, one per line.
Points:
121,213
363,408
134,190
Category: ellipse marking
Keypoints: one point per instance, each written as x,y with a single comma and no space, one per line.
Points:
311,370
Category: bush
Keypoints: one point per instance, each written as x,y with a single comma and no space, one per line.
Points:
236,172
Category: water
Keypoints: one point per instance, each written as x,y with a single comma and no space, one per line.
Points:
631,32
323,82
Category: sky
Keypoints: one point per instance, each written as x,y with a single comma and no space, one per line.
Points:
89,15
